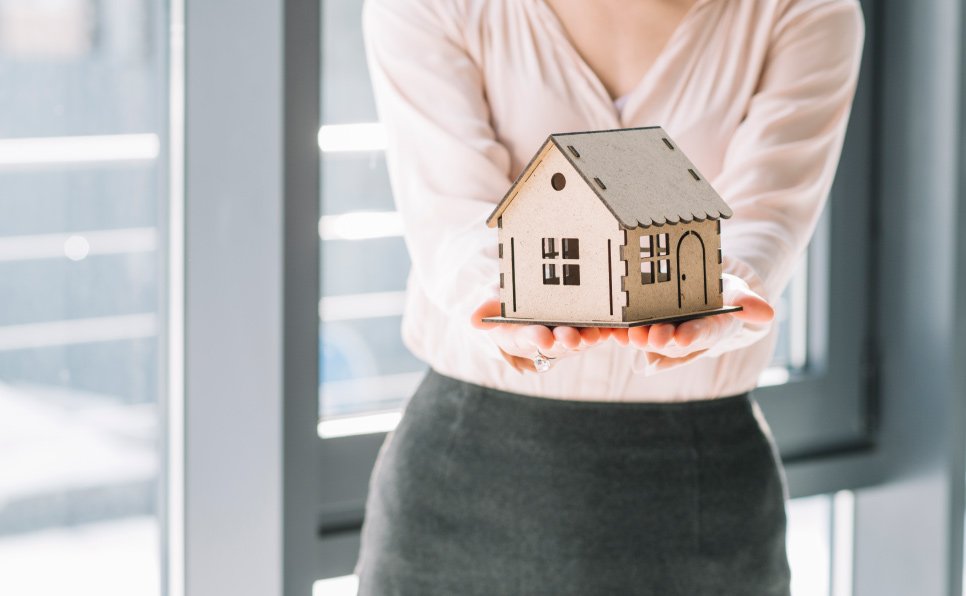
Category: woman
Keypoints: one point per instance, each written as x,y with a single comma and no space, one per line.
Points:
638,464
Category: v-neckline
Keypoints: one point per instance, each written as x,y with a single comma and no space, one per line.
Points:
643,83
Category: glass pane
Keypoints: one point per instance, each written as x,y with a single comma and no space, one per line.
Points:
791,316
364,365
809,543
82,110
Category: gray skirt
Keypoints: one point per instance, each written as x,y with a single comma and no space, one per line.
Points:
480,491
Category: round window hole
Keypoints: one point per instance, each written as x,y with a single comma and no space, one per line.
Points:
557,181
683,276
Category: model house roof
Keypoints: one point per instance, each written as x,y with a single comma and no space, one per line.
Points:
639,174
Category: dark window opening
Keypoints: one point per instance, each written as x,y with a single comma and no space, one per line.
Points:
571,275
571,248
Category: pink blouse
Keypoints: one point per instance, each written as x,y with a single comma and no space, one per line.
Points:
756,92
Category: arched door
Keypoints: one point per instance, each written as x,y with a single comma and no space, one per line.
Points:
692,269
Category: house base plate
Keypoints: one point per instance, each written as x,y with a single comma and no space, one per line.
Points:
618,324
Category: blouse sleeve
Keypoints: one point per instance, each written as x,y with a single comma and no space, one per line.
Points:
779,165
446,166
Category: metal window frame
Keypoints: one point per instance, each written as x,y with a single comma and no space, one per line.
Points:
909,529
251,474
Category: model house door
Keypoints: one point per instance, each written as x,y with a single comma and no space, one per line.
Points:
691,270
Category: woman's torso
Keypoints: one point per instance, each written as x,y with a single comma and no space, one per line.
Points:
698,89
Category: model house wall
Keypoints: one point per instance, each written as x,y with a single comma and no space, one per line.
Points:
539,213
659,295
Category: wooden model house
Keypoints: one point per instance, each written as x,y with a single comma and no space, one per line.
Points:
612,228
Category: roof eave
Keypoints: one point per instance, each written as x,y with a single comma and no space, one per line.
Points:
494,217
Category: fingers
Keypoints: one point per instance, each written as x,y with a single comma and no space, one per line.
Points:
692,331
538,336
659,335
490,308
519,364
660,362
519,343
523,364
568,336
620,335
755,309
638,336
590,335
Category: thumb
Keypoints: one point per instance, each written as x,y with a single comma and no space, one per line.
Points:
490,308
755,309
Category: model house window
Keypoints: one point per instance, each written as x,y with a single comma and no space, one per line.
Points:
550,275
571,248
654,268
647,272
664,270
569,251
549,250
571,275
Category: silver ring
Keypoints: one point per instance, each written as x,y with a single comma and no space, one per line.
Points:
542,362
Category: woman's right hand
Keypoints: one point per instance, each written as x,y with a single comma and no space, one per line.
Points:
520,344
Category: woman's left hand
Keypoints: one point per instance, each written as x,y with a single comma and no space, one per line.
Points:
667,345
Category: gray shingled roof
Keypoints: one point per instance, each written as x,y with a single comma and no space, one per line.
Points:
639,174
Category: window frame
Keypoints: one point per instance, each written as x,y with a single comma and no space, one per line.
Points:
828,407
